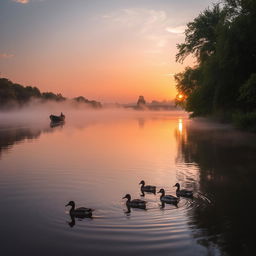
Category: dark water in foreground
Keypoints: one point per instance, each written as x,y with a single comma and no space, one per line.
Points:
96,158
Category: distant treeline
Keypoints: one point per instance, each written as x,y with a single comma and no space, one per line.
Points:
223,83
12,94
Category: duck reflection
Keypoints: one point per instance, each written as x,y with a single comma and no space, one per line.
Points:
73,218
162,205
79,213
142,193
72,223
135,203
127,211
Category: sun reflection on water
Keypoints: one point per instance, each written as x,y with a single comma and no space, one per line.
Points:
180,126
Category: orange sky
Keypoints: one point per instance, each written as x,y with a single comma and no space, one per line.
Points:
109,52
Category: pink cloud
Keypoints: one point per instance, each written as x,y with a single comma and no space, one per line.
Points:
6,56
22,1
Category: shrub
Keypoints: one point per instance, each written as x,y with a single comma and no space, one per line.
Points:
245,121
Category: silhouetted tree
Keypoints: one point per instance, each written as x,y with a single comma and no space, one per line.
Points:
12,94
223,39
53,96
92,103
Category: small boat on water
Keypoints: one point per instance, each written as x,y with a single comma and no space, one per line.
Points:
60,118
56,124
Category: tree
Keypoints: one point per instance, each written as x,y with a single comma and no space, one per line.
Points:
53,96
201,35
223,39
92,103
12,94
248,93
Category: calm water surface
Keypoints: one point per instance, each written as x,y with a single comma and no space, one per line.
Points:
98,157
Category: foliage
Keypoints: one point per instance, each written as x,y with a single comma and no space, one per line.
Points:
223,39
201,35
12,94
245,121
188,80
248,93
93,103
52,96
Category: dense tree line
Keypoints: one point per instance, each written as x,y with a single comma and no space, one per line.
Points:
223,83
12,94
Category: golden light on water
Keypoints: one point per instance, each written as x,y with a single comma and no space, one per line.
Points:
181,129
180,126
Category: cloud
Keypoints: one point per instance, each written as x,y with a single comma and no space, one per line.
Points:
6,56
155,26
176,30
21,1
144,19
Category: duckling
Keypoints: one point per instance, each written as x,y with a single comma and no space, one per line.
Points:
148,188
135,203
169,199
183,192
80,212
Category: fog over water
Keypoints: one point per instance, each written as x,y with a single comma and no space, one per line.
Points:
98,156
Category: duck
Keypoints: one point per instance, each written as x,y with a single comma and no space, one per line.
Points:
183,192
135,203
80,212
169,199
148,188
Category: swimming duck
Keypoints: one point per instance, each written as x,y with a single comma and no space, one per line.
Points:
80,212
183,192
169,199
148,188
135,203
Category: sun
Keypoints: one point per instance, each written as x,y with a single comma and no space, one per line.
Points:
180,97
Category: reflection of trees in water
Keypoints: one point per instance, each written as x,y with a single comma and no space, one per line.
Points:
187,170
225,159
141,122
10,136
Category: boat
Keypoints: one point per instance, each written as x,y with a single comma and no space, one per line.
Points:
56,119
56,124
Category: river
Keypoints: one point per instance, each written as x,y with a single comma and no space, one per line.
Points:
97,157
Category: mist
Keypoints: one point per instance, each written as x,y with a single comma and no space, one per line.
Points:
37,113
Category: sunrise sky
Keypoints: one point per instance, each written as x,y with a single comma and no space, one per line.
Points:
107,50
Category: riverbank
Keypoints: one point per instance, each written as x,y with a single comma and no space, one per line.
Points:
239,120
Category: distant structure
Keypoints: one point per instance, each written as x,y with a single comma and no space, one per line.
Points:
141,103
